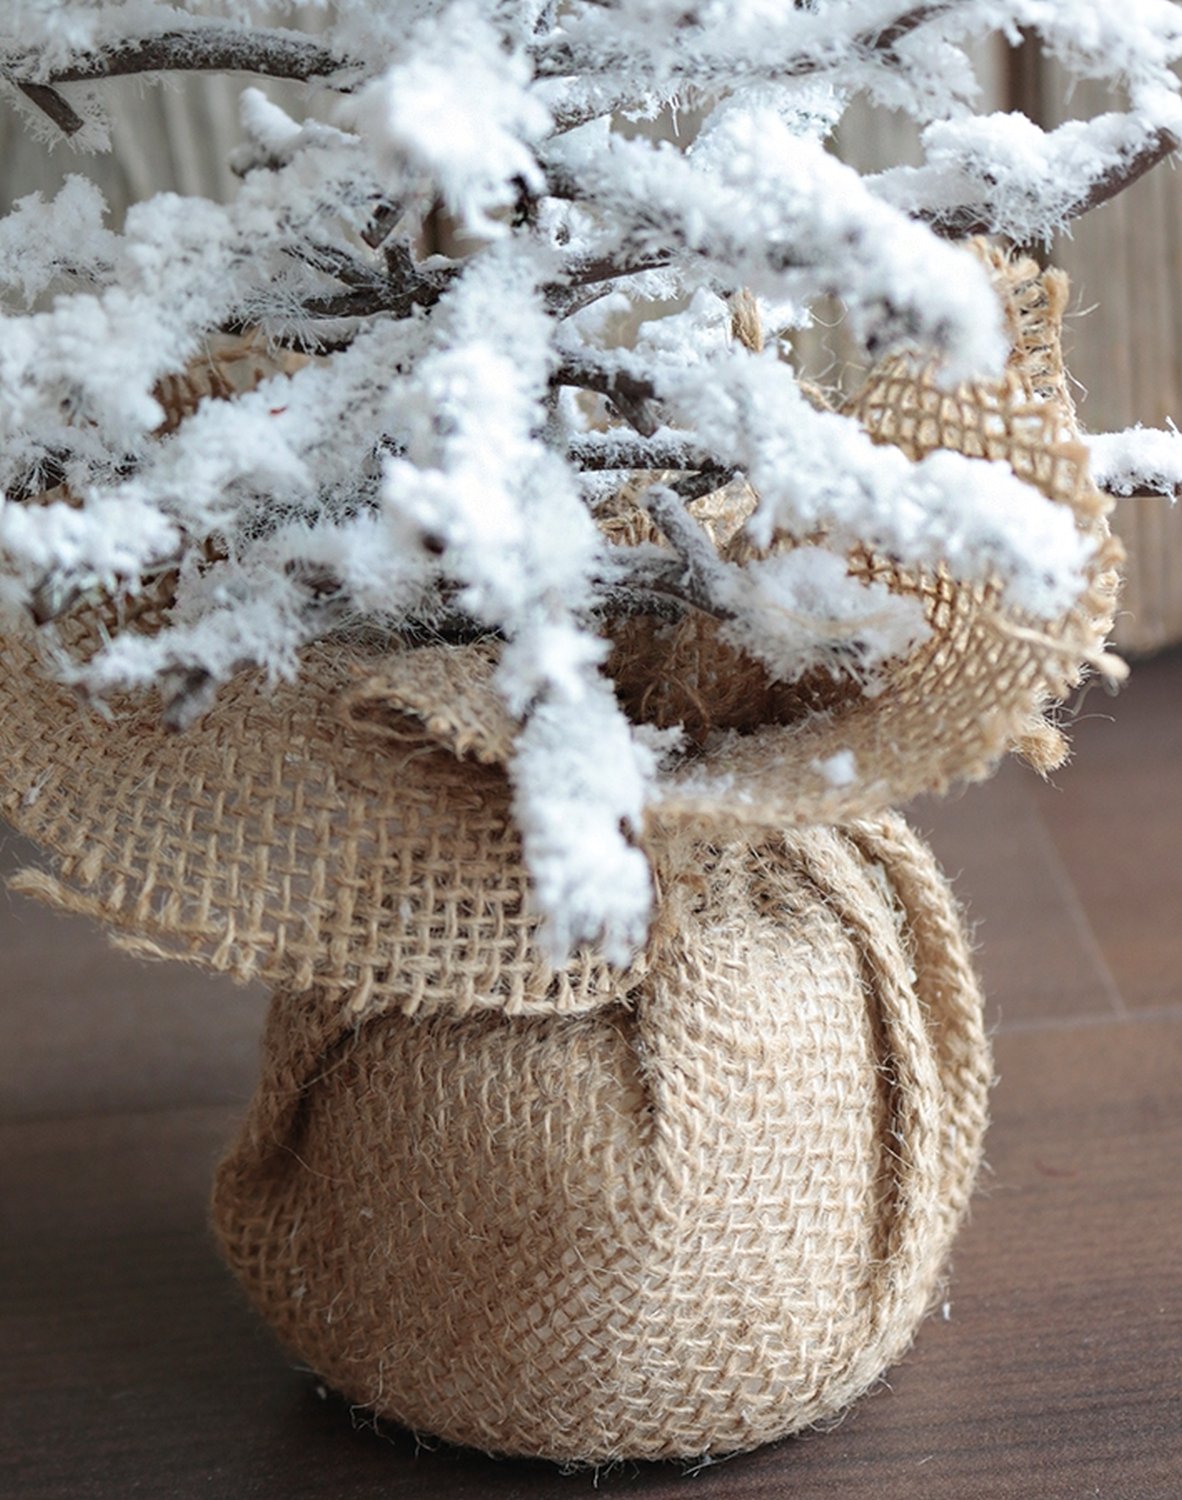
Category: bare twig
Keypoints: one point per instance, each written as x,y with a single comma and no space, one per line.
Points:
385,217
399,293
631,395
216,48
704,481
584,281
297,341
1162,144
887,38
588,272
356,303
338,263
51,103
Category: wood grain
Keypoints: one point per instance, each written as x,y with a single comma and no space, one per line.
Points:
129,1363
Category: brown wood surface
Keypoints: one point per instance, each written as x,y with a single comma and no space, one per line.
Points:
129,1364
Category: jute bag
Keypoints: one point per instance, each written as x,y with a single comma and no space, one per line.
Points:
587,1213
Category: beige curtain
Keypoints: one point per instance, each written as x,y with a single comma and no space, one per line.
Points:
1123,342
172,134
1123,333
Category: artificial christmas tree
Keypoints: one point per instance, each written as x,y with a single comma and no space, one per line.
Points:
538,657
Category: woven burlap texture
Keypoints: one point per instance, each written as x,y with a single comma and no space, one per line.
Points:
689,1224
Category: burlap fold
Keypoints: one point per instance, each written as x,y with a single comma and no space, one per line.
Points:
984,681
281,842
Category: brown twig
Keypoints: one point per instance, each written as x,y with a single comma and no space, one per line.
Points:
584,272
51,103
631,395
586,281
339,264
968,219
399,289
382,223
704,481
272,53
887,38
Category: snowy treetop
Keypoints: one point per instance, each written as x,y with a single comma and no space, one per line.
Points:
426,437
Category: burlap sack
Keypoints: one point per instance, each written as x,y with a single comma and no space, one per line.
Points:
703,1216
585,1212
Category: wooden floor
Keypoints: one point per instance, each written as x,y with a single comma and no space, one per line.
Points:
129,1365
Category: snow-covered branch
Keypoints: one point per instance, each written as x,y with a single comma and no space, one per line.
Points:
816,471
268,53
795,43
292,413
1139,461
198,45
1049,178
755,205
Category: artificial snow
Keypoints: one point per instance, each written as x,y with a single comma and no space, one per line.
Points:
437,430
1140,459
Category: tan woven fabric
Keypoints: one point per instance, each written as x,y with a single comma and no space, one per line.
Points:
687,1225
275,841
281,839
